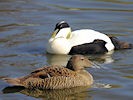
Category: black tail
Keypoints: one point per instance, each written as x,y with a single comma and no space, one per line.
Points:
120,44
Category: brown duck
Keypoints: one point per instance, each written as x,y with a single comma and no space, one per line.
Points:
57,77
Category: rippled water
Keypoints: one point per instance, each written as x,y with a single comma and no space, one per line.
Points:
26,25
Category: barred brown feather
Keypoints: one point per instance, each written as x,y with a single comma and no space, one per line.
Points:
57,77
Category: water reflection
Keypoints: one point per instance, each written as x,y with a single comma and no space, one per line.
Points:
92,9
102,85
128,76
115,1
57,59
78,93
24,30
63,59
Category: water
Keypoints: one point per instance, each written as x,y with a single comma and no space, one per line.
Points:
26,25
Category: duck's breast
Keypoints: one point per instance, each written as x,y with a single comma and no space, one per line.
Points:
58,46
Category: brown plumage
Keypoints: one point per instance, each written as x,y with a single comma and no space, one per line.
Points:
57,77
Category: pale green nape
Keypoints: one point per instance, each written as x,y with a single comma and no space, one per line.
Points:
55,32
69,34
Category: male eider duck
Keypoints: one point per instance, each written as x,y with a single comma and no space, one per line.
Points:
57,77
84,41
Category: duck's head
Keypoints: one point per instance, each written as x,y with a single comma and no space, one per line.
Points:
62,29
78,62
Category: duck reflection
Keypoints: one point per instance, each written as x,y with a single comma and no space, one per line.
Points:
57,59
78,93
63,59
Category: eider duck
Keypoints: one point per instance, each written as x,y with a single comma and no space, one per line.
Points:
84,41
57,77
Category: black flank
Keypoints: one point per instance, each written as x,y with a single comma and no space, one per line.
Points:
95,47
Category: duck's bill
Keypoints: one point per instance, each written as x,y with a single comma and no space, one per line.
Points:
55,33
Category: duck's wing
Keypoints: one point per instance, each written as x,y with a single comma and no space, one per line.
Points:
51,71
45,72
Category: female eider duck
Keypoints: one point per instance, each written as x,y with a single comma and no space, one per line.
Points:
57,77
85,41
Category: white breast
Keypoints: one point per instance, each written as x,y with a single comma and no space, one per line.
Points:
58,45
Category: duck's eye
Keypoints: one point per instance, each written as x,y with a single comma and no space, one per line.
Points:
82,59
43,76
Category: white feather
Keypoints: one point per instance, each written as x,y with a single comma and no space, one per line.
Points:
61,45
